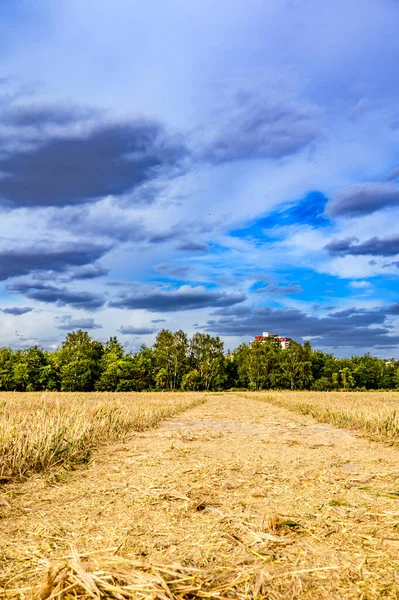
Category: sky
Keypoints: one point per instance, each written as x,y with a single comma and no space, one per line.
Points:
229,168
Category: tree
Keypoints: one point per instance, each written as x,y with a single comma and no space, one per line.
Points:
258,363
77,346
79,361
347,379
171,355
112,366
368,371
34,370
145,366
7,362
207,358
192,381
296,366
79,375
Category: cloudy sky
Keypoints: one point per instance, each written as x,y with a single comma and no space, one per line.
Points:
228,167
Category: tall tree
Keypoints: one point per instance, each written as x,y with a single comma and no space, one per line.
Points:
207,358
259,362
171,354
296,366
79,360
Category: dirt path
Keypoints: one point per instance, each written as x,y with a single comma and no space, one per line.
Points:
203,491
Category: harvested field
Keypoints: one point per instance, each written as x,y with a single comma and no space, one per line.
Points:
235,498
374,413
41,431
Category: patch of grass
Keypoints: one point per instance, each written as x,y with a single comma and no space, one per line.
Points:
374,414
41,431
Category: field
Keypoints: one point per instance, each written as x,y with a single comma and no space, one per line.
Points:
243,495
374,413
40,431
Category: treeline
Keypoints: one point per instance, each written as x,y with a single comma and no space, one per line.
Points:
176,362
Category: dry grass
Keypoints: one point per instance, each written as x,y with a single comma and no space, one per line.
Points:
40,431
235,499
376,414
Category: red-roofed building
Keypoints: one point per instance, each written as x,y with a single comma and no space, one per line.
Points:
284,341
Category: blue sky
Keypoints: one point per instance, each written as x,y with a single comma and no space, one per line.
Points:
228,167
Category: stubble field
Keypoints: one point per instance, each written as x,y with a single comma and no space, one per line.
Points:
242,495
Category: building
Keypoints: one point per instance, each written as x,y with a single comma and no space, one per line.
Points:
284,341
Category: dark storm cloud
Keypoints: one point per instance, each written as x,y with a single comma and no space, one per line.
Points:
44,257
375,246
393,309
92,271
185,298
363,199
353,328
16,310
130,330
258,128
71,165
85,323
61,296
40,115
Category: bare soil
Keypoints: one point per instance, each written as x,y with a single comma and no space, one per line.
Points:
250,500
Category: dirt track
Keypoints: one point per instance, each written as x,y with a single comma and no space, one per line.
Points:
204,489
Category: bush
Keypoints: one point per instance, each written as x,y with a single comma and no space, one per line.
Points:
323,385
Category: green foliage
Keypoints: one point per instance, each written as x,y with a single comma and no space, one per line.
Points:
259,364
207,359
171,355
78,375
175,362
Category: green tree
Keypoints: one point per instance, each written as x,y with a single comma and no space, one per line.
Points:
347,379
145,368
79,361
34,371
207,358
171,354
7,362
192,381
79,375
113,366
258,365
296,366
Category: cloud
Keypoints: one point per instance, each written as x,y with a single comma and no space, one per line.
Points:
259,127
38,114
375,246
279,290
16,310
85,323
92,271
47,257
187,246
393,309
79,162
184,298
394,174
350,328
363,199
158,321
102,219
360,284
171,271
130,330
61,296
